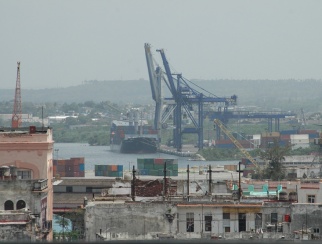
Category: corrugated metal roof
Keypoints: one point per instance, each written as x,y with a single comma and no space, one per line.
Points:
86,182
71,198
244,205
120,122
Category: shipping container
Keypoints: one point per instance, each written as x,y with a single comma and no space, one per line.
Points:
158,166
230,167
284,137
143,171
225,146
299,137
288,132
158,161
228,141
270,134
308,132
60,168
81,167
98,173
148,165
120,168
140,164
300,141
113,168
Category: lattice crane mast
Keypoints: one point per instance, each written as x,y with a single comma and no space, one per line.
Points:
236,142
17,113
155,75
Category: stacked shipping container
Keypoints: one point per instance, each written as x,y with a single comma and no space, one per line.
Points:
109,170
155,166
73,167
296,138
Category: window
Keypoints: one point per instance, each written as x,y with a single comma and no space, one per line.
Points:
69,189
190,222
8,205
316,230
226,215
21,204
89,189
311,198
273,218
208,219
24,174
226,221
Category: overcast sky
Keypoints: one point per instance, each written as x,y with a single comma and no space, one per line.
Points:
62,43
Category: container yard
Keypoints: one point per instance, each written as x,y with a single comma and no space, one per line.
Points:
109,170
73,167
155,166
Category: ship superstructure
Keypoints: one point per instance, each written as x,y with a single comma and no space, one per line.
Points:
133,135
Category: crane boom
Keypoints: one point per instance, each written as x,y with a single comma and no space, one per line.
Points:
236,142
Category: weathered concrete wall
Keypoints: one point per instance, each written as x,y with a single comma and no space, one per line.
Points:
200,187
133,220
15,190
306,216
306,189
15,233
281,208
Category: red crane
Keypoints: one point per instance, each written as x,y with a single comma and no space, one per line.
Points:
17,113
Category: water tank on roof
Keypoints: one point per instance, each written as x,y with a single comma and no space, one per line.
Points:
127,177
13,170
283,195
5,171
292,196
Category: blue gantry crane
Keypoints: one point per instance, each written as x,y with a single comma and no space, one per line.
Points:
183,100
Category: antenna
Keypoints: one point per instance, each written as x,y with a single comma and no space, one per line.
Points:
16,115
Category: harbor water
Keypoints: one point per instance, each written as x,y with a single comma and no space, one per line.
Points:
101,155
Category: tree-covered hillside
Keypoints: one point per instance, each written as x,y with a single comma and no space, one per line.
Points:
266,94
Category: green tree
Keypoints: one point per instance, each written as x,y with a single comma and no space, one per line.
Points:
274,155
62,222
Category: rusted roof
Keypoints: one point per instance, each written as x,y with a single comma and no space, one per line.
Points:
243,205
86,182
72,198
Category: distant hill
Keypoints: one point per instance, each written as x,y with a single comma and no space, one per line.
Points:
267,94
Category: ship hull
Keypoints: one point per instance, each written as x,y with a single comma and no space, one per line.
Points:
126,138
138,145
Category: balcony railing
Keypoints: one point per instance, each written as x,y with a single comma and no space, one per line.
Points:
40,185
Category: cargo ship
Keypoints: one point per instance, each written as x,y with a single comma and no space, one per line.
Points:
133,135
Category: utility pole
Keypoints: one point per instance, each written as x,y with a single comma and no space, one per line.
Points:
239,182
133,184
188,171
210,179
164,179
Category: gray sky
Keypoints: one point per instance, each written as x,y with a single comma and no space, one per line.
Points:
61,43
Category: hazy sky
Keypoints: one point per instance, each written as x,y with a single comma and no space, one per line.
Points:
62,43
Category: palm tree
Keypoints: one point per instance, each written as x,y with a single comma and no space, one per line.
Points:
63,223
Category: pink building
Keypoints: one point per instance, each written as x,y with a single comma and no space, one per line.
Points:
26,169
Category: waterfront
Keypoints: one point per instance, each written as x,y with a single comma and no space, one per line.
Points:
102,155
